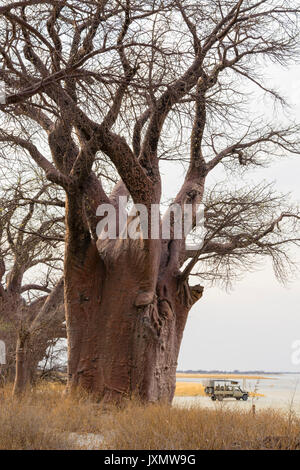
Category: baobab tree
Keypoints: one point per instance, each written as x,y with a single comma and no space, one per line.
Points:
137,84
31,295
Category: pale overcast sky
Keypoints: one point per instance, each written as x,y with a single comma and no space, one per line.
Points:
255,325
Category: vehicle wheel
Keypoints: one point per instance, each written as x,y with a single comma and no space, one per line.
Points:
245,397
220,398
213,398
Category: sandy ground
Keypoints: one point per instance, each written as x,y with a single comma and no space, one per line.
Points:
89,440
277,402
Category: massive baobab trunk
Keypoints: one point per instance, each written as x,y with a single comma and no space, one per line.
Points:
121,342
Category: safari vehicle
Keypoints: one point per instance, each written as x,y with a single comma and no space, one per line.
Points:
220,389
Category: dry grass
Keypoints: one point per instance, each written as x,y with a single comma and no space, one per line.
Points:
163,427
44,419
189,389
22,425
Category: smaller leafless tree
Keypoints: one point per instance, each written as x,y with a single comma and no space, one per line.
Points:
31,294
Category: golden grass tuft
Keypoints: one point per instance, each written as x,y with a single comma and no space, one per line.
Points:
189,389
45,418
